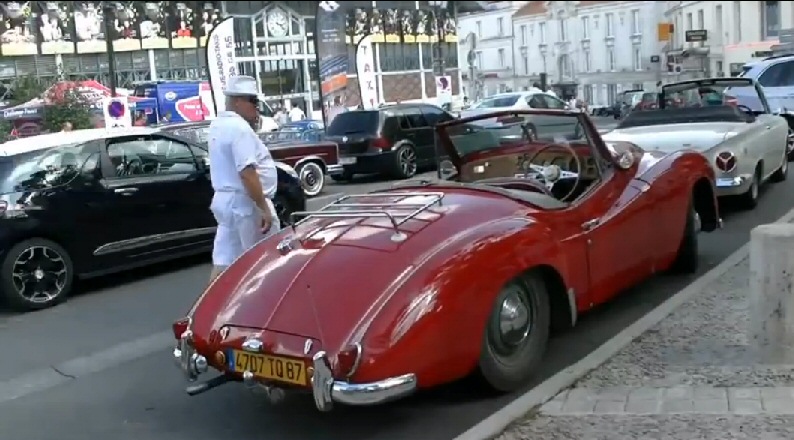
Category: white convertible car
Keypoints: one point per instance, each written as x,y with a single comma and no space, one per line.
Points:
747,146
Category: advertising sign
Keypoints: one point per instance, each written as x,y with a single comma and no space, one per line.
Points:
116,112
365,70
221,63
331,54
443,89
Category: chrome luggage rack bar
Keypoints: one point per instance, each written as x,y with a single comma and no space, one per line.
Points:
347,207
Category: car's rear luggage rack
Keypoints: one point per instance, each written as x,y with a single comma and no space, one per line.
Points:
347,207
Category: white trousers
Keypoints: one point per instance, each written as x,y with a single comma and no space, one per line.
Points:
239,226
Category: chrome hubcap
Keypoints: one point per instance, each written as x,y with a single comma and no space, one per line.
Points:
515,322
312,179
39,274
407,161
754,189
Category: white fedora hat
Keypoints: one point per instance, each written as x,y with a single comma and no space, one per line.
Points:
241,85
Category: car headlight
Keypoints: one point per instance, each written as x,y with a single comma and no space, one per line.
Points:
287,169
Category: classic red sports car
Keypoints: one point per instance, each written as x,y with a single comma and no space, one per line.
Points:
377,295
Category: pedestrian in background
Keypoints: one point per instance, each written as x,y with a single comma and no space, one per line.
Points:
67,126
295,113
243,176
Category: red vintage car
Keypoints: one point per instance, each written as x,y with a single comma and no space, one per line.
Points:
378,295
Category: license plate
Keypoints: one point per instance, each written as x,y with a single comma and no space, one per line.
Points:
347,160
725,182
268,367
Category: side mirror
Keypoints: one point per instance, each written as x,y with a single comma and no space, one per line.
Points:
446,169
624,159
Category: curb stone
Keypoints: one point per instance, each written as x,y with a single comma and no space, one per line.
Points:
524,405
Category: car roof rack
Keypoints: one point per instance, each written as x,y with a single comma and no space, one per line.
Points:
396,211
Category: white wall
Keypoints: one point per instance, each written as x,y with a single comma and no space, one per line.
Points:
586,31
742,33
494,49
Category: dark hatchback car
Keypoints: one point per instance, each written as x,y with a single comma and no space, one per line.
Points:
289,197
91,202
394,140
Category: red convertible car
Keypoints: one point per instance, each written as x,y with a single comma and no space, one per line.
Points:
537,220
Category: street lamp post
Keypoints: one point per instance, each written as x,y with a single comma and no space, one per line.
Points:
438,54
109,14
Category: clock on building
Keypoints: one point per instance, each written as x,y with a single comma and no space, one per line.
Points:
277,23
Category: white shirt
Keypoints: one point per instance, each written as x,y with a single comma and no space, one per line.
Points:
233,145
296,114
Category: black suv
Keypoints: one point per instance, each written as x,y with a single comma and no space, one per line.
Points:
394,139
91,202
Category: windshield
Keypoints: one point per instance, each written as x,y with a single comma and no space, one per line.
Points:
632,98
706,93
483,135
43,168
498,101
354,122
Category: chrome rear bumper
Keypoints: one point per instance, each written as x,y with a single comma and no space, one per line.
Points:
325,389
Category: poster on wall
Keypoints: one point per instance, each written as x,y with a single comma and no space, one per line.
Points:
422,26
358,25
332,58
17,32
209,17
181,25
450,27
408,26
365,72
392,25
89,27
153,25
55,27
125,26
221,63
376,21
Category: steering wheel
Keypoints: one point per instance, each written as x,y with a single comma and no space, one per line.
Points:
551,174
131,167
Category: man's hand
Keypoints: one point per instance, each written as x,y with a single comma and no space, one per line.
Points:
267,222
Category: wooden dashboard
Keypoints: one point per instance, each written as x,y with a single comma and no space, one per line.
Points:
511,164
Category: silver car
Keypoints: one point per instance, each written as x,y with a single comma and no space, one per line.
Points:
747,146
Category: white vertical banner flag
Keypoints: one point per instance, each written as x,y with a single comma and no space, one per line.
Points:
220,60
365,70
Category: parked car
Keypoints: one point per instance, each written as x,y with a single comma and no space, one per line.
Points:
306,130
90,202
746,147
491,260
393,139
776,75
626,101
533,99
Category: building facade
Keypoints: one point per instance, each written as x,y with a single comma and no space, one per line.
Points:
485,49
737,32
590,49
162,40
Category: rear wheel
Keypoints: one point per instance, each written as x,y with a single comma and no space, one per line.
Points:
404,162
687,259
749,200
781,173
36,274
517,333
312,178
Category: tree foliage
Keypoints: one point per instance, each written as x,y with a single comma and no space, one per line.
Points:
63,104
67,106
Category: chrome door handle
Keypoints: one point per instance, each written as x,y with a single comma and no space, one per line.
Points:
590,224
125,191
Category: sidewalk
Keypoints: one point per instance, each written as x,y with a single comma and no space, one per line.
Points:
691,377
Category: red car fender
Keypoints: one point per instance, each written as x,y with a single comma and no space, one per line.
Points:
434,323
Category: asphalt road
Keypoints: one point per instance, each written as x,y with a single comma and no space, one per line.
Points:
99,365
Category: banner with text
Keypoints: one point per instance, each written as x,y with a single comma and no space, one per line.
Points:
221,63
365,71
332,58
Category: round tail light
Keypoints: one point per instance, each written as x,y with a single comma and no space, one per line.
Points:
726,161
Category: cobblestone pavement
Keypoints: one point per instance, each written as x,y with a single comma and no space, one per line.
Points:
692,376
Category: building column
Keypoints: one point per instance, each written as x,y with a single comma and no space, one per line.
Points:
152,65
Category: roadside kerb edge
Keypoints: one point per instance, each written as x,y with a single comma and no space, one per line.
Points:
497,422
